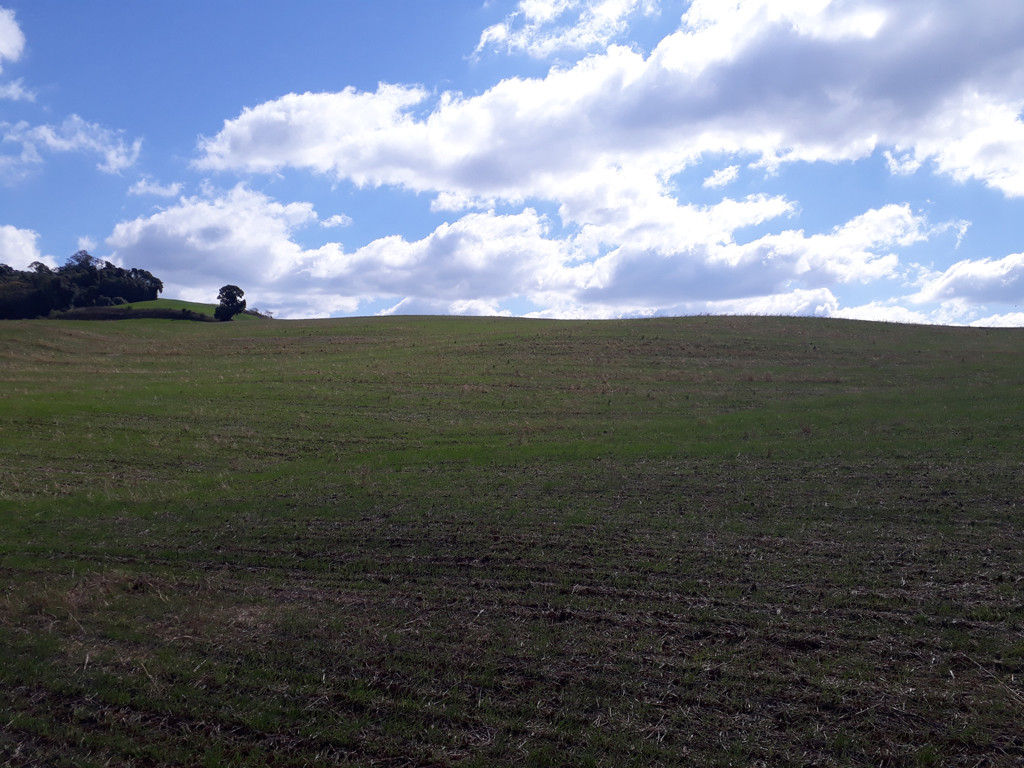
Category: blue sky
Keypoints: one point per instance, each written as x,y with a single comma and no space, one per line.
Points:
551,158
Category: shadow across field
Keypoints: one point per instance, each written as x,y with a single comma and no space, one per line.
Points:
452,541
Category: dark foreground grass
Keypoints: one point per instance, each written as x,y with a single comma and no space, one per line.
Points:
474,542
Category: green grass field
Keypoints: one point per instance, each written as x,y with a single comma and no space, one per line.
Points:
480,542
165,309
192,306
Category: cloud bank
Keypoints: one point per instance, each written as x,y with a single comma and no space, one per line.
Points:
483,260
625,181
771,81
761,84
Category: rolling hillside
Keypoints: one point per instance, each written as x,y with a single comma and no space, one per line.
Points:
447,541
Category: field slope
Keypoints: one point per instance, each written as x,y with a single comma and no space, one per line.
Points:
477,542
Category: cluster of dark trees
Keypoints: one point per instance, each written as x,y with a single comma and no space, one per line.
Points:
83,281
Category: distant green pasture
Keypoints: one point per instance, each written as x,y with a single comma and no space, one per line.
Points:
193,306
177,304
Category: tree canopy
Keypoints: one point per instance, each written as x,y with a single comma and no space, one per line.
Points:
231,302
82,281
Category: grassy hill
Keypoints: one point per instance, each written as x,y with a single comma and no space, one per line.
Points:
192,306
477,542
159,309
176,304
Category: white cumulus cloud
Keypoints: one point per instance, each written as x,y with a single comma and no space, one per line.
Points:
12,39
20,247
225,238
779,82
337,220
246,238
980,281
147,186
73,135
16,91
543,27
1008,320
723,177
358,135
12,44
883,311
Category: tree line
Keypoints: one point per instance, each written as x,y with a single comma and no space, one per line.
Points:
83,281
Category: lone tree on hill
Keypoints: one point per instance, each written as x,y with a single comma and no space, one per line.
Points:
231,302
